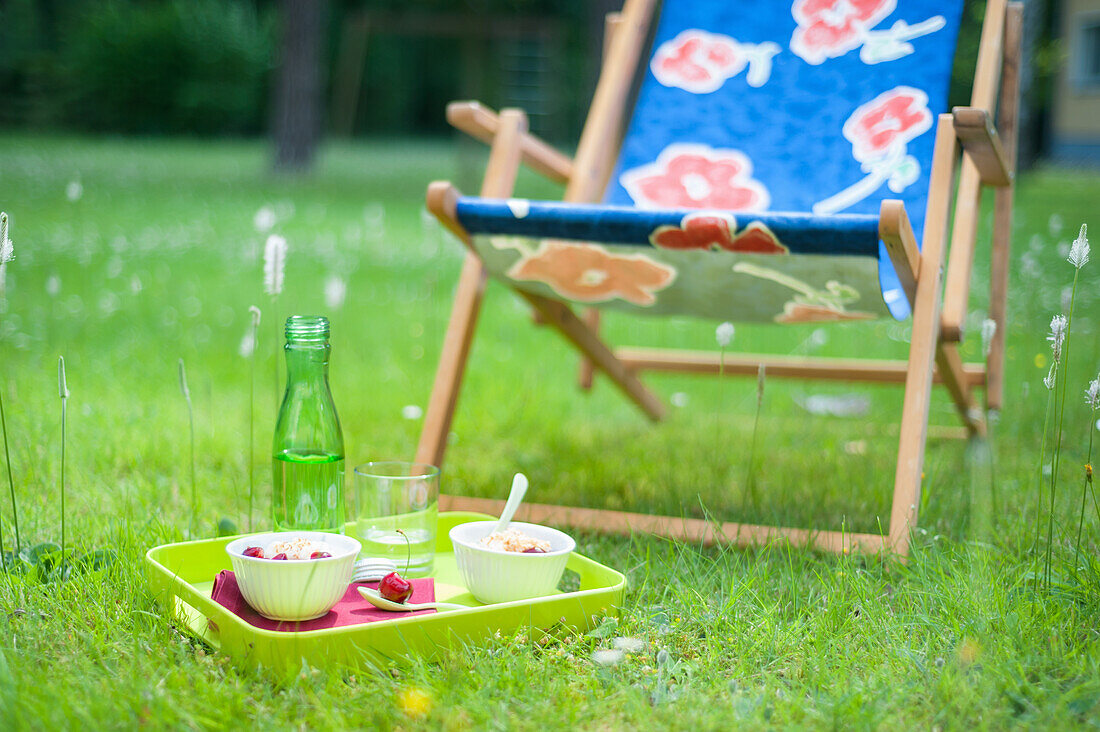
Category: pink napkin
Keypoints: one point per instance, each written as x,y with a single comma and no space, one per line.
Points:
352,609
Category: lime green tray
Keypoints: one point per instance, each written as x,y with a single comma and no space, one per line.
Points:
182,575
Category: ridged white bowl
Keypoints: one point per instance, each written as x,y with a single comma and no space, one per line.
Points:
497,576
293,589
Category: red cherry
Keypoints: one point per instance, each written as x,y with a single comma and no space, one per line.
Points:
395,588
281,555
319,555
254,551
534,550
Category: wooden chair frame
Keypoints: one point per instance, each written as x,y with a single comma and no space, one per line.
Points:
987,159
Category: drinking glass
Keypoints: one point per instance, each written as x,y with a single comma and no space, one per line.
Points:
393,495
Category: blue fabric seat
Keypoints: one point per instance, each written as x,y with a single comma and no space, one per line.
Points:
748,185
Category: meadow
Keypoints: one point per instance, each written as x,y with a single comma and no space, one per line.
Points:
131,255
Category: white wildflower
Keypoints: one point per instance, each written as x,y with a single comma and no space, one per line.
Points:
411,411
605,657
1051,376
74,191
989,329
183,382
724,334
1092,394
264,220
335,291
274,264
7,249
62,382
1057,335
248,344
1079,252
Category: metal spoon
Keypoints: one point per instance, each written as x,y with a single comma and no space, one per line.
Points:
515,497
382,603
372,569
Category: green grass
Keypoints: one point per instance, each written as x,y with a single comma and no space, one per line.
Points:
158,260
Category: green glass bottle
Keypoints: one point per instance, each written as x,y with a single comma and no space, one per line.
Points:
309,445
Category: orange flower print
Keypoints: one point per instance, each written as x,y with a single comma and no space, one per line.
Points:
588,273
800,312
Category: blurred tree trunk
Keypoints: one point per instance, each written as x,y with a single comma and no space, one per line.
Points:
1034,89
296,127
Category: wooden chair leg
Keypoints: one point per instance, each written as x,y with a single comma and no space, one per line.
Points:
592,320
500,179
1007,117
452,362
949,367
922,345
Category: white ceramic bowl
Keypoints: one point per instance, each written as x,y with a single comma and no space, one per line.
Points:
496,576
294,589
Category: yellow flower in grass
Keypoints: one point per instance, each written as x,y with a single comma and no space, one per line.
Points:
968,651
414,702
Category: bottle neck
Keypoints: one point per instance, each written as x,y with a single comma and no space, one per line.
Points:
307,359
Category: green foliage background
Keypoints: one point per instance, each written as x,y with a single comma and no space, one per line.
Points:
205,67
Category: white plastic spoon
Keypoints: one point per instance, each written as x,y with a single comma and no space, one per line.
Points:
382,603
515,497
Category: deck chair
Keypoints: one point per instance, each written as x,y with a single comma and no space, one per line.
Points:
785,163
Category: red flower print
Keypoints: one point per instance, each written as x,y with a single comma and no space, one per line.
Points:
697,61
831,28
880,129
696,176
715,230
589,273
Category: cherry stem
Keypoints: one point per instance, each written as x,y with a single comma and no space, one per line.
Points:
408,550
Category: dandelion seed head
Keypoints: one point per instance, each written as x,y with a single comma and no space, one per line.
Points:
628,645
248,345
264,220
1054,224
989,329
335,291
608,657
724,334
1079,250
1092,394
679,399
1057,335
274,264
